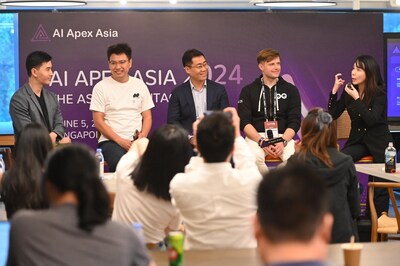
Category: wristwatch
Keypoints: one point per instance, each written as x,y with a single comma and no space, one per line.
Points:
260,141
284,142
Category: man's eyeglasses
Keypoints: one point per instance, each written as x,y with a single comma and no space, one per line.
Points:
120,62
200,66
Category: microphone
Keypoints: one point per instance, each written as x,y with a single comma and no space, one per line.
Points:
271,140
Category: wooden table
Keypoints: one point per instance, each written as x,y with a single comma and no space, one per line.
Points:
373,254
378,170
215,257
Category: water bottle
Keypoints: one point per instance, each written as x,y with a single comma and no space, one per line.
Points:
390,159
138,228
2,164
99,155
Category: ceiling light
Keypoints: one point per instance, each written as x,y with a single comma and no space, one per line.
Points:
293,3
43,3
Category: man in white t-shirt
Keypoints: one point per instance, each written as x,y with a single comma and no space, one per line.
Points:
121,106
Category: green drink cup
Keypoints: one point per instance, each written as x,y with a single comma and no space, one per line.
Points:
175,248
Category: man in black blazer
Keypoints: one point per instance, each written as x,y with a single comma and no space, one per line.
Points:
32,103
191,99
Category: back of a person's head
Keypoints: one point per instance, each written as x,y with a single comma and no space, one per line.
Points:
318,133
23,187
35,60
74,168
167,154
215,137
33,142
119,48
292,202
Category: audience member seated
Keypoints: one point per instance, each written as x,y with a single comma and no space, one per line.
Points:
215,200
143,182
293,223
20,186
75,230
318,149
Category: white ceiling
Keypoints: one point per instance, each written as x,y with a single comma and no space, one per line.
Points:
365,5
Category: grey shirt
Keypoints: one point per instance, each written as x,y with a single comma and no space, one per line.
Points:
52,237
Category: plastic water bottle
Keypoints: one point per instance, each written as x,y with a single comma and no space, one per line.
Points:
138,228
390,159
99,155
2,164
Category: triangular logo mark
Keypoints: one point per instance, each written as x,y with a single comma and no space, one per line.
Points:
396,50
40,35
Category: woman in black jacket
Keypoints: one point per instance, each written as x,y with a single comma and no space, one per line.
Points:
318,149
366,102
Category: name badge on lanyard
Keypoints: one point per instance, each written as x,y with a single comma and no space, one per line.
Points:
273,126
270,125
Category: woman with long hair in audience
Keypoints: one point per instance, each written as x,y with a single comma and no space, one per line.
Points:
76,229
365,100
143,182
318,148
20,186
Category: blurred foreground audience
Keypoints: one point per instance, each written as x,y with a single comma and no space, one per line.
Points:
21,185
319,150
215,200
143,182
293,223
75,230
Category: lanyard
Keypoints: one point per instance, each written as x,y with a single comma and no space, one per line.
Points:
265,102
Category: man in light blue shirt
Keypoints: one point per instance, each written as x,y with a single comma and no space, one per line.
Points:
199,94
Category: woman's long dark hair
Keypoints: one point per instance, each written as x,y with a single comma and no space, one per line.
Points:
167,154
74,168
373,78
22,185
318,134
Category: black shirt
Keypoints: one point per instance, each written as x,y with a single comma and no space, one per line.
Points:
44,110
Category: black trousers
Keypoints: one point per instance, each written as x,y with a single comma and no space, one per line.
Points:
112,152
381,195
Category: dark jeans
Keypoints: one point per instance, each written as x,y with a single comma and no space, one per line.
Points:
112,152
381,195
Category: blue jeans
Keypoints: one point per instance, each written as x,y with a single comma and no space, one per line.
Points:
112,152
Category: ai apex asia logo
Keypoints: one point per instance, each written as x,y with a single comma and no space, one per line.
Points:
41,34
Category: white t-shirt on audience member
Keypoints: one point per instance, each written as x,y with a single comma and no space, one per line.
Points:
217,202
132,205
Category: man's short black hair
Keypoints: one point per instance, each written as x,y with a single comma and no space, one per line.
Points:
35,60
292,202
188,56
119,48
215,137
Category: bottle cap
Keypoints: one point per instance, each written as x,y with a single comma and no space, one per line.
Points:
137,226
